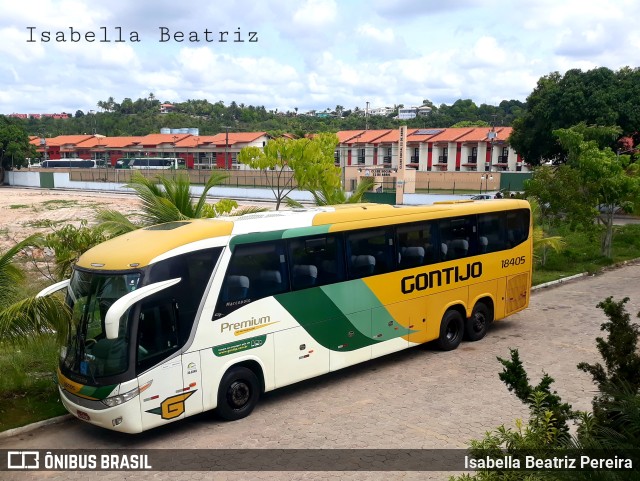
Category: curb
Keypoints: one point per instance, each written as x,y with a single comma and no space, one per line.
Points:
30,427
559,281
584,274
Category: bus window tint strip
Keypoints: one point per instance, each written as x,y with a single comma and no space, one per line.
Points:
260,269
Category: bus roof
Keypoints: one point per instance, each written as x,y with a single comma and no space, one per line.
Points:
143,246
138,248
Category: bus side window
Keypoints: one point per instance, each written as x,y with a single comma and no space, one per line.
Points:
416,245
491,232
255,271
370,252
315,261
459,236
517,226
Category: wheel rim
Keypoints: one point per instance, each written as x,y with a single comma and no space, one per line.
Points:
453,331
479,322
238,394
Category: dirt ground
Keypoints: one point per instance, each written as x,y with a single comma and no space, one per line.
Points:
27,211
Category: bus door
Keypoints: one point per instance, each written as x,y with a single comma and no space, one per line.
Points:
159,362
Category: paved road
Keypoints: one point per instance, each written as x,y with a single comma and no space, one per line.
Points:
419,398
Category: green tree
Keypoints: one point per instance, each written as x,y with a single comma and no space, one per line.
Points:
596,97
22,317
337,196
516,379
542,242
603,176
471,123
557,191
68,243
15,148
613,427
621,369
308,161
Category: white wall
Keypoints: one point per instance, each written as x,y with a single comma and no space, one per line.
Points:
61,181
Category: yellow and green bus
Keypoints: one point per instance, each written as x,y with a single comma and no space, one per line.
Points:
180,318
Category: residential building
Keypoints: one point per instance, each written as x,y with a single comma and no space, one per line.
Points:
462,149
440,150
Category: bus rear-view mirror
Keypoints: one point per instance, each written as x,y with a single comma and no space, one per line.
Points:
118,308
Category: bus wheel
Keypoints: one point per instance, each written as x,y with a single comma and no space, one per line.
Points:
238,393
477,325
451,330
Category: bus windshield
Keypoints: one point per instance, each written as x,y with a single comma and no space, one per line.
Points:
88,351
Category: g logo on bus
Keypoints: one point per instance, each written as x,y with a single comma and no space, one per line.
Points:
172,407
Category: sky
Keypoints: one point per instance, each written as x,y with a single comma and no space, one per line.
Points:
304,54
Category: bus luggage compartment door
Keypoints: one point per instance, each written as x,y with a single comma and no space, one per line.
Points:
517,294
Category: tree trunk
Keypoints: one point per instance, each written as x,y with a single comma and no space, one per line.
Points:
607,238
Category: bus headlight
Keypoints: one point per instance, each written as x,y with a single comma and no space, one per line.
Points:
123,398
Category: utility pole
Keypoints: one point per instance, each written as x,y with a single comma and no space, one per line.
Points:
226,146
402,154
366,117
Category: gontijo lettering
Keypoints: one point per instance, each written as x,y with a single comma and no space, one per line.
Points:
440,277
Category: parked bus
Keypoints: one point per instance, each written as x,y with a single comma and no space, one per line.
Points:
69,163
183,317
151,163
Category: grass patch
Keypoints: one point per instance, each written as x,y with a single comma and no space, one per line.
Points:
44,223
57,203
582,253
19,206
28,392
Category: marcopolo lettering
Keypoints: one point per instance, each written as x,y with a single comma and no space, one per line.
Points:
228,326
440,277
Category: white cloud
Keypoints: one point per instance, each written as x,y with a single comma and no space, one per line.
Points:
385,35
311,53
315,14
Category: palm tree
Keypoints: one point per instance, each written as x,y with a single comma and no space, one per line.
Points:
22,318
542,243
336,196
170,201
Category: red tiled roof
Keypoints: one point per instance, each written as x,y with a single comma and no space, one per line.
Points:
394,136
120,142
157,139
367,137
195,140
345,135
93,141
236,137
67,140
451,134
479,134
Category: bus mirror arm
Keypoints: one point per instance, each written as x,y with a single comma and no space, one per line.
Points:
53,288
118,308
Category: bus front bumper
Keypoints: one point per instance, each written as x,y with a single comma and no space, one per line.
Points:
123,418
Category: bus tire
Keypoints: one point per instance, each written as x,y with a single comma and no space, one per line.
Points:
238,393
476,326
451,330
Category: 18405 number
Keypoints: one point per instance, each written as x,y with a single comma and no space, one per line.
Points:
514,261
